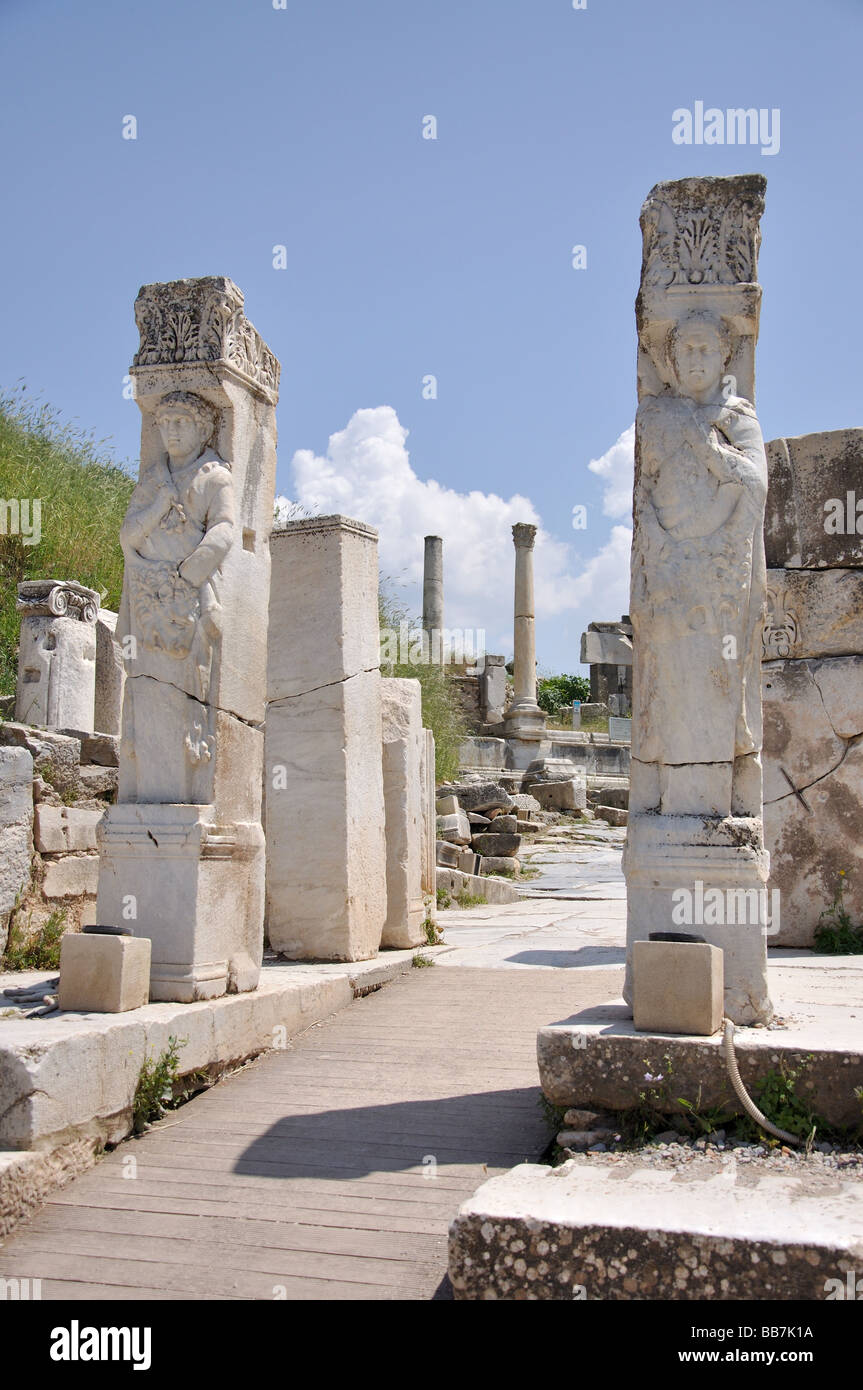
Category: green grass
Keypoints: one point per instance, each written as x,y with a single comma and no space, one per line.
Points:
420,962
84,496
39,950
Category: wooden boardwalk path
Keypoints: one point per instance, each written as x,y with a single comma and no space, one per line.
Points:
329,1171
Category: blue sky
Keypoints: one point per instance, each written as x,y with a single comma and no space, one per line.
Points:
407,257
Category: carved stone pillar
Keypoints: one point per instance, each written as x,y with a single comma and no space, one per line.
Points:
182,853
695,857
525,721
56,654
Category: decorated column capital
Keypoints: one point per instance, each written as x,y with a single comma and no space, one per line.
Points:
57,598
186,322
523,535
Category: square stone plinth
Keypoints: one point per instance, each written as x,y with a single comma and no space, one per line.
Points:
104,974
677,987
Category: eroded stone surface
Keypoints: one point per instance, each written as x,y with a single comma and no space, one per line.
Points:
187,826
326,851
568,1233
56,654
16,829
401,706
698,570
811,521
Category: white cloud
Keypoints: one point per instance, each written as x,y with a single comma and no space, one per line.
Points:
616,468
367,474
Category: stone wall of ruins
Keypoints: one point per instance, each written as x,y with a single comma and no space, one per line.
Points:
812,677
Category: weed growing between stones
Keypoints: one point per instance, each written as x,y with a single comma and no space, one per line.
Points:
443,899
420,961
154,1093
836,934
777,1098
466,899
434,935
39,950
553,1116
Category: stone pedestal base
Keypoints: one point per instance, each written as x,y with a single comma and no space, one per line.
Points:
193,887
707,876
526,736
104,974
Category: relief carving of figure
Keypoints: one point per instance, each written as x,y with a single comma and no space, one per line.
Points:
699,577
177,532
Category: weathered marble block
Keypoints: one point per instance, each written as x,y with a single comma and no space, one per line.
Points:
813,789
812,679
493,689
402,756
104,974
814,513
182,852
110,675
56,654
429,835
326,852
16,829
699,580
813,613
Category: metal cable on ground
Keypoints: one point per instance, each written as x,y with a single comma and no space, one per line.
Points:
742,1094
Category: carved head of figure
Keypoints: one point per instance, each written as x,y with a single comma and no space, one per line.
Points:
699,349
186,423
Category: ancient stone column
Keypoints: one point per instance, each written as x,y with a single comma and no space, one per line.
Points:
57,654
695,858
182,852
403,798
525,721
326,852
433,598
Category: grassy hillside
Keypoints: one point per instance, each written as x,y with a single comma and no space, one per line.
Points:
84,496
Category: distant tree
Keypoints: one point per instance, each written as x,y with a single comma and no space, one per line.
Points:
558,692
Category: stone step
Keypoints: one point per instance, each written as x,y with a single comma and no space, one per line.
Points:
627,1230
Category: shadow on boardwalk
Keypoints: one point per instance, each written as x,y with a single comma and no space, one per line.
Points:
417,1136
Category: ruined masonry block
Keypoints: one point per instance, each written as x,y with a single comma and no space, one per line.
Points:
326,853
814,516
677,987
104,974
16,829
56,654
73,876
65,829
402,754
429,818
569,795
570,1233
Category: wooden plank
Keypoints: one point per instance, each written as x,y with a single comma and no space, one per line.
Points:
304,1169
